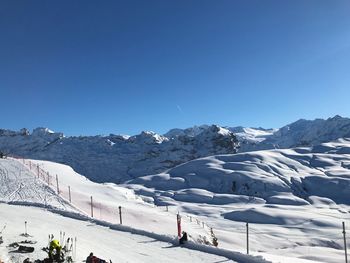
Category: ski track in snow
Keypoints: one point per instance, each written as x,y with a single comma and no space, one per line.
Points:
299,225
34,192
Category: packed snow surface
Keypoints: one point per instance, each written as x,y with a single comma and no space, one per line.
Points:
154,228
104,242
296,199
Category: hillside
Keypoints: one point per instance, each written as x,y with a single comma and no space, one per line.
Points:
147,232
117,158
297,198
285,176
298,229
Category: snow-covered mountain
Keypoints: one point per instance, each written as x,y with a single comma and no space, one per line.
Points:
284,176
295,198
299,133
304,190
117,158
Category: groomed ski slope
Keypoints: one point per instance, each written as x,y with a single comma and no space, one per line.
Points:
43,222
104,242
231,234
142,215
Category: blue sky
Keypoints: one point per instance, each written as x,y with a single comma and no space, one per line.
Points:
100,67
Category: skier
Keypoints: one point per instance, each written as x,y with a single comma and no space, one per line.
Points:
183,239
55,246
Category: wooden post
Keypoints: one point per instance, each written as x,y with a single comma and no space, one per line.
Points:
25,228
345,247
92,208
58,189
247,225
120,215
70,197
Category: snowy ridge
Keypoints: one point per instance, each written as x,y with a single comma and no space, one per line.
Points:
117,158
286,176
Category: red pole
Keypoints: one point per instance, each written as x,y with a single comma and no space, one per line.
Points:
178,225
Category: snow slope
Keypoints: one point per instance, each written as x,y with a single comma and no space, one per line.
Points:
296,198
103,241
288,176
152,223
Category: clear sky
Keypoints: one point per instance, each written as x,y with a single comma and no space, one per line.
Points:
100,67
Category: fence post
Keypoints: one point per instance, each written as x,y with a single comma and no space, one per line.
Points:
70,197
345,247
92,208
178,217
58,189
120,215
25,228
247,226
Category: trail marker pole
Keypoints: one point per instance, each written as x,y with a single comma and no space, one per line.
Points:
247,226
38,170
167,209
58,189
345,247
25,228
178,217
92,208
70,197
75,248
48,178
100,211
120,215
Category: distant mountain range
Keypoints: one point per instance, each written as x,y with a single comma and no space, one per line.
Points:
118,158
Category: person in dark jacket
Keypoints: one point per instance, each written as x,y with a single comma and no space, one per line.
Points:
89,258
92,259
183,239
